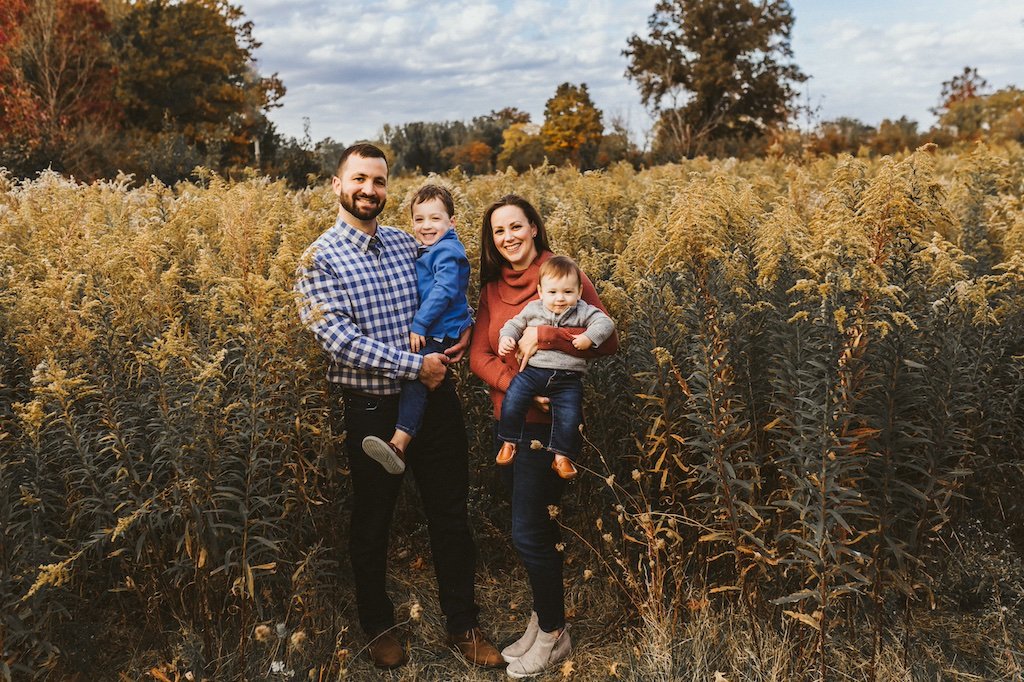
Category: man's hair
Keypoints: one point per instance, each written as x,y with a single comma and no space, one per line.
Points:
560,266
430,192
491,262
363,149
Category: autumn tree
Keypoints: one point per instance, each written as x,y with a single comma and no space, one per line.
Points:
474,156
895,136
572,126
840,135
18,110
60,74
522,147
714,69
961,105
188,68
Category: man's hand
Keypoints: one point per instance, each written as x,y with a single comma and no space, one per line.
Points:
582,342
416,342
541,403
527,346
435,366
457,351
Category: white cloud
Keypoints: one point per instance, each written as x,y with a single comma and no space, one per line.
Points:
351,68
892,61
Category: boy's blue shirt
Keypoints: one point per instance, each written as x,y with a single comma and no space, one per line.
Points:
442,275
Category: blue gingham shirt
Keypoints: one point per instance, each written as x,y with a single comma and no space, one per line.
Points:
358,296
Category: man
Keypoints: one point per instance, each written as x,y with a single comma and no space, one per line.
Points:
358,287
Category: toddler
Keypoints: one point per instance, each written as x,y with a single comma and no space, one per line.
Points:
442,274
551,373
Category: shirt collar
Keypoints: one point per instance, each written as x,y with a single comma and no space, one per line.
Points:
358,238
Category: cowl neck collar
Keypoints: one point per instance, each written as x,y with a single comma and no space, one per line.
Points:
516,287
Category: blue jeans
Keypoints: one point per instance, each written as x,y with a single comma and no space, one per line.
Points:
414,394
439,463
535,487
565,390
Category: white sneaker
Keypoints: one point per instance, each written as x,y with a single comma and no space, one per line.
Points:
384,453
519,647
548,649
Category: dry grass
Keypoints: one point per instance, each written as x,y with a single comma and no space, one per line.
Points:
820,389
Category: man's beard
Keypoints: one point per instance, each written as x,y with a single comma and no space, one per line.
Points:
348,202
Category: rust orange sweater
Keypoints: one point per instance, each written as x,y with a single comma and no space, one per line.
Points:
500,300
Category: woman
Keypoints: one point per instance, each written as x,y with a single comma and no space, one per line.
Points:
513,244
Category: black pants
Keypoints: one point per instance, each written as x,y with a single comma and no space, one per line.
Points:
438,459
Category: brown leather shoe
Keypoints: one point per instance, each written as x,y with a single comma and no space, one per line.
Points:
564,468
476,648
506,454
387,652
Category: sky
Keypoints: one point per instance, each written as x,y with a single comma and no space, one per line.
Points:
351,67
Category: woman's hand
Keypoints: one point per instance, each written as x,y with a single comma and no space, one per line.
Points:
416,342
541,403
527,346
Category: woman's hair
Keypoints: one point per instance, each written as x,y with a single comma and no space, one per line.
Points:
491,261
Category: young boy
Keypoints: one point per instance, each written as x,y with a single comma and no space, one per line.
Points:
551,373
442,274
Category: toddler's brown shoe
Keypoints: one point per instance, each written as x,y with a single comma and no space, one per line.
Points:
564,468
506,454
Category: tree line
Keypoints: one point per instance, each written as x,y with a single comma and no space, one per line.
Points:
157,87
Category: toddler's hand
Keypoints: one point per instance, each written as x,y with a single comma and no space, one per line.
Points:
581,342
416,342
506,346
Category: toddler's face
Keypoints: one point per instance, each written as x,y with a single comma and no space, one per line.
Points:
558,294
430,220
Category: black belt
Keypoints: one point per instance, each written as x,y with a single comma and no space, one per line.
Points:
351,392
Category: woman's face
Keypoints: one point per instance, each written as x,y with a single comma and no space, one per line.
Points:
513,236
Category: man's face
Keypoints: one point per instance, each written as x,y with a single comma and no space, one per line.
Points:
362,186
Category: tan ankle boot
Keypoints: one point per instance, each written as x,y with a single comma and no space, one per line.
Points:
519,647
548,649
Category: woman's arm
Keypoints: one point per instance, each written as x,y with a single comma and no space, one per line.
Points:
560,338
483,360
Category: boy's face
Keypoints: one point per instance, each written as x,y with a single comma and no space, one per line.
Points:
558,294
430,220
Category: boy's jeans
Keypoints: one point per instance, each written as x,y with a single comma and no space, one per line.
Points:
565,390
413,401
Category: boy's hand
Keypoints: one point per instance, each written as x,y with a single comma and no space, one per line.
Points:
416,342
582,342
506,345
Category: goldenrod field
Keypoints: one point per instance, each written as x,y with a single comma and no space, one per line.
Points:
805,462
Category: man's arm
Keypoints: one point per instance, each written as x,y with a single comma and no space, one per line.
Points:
324,309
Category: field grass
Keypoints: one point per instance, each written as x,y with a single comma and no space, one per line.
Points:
804,462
